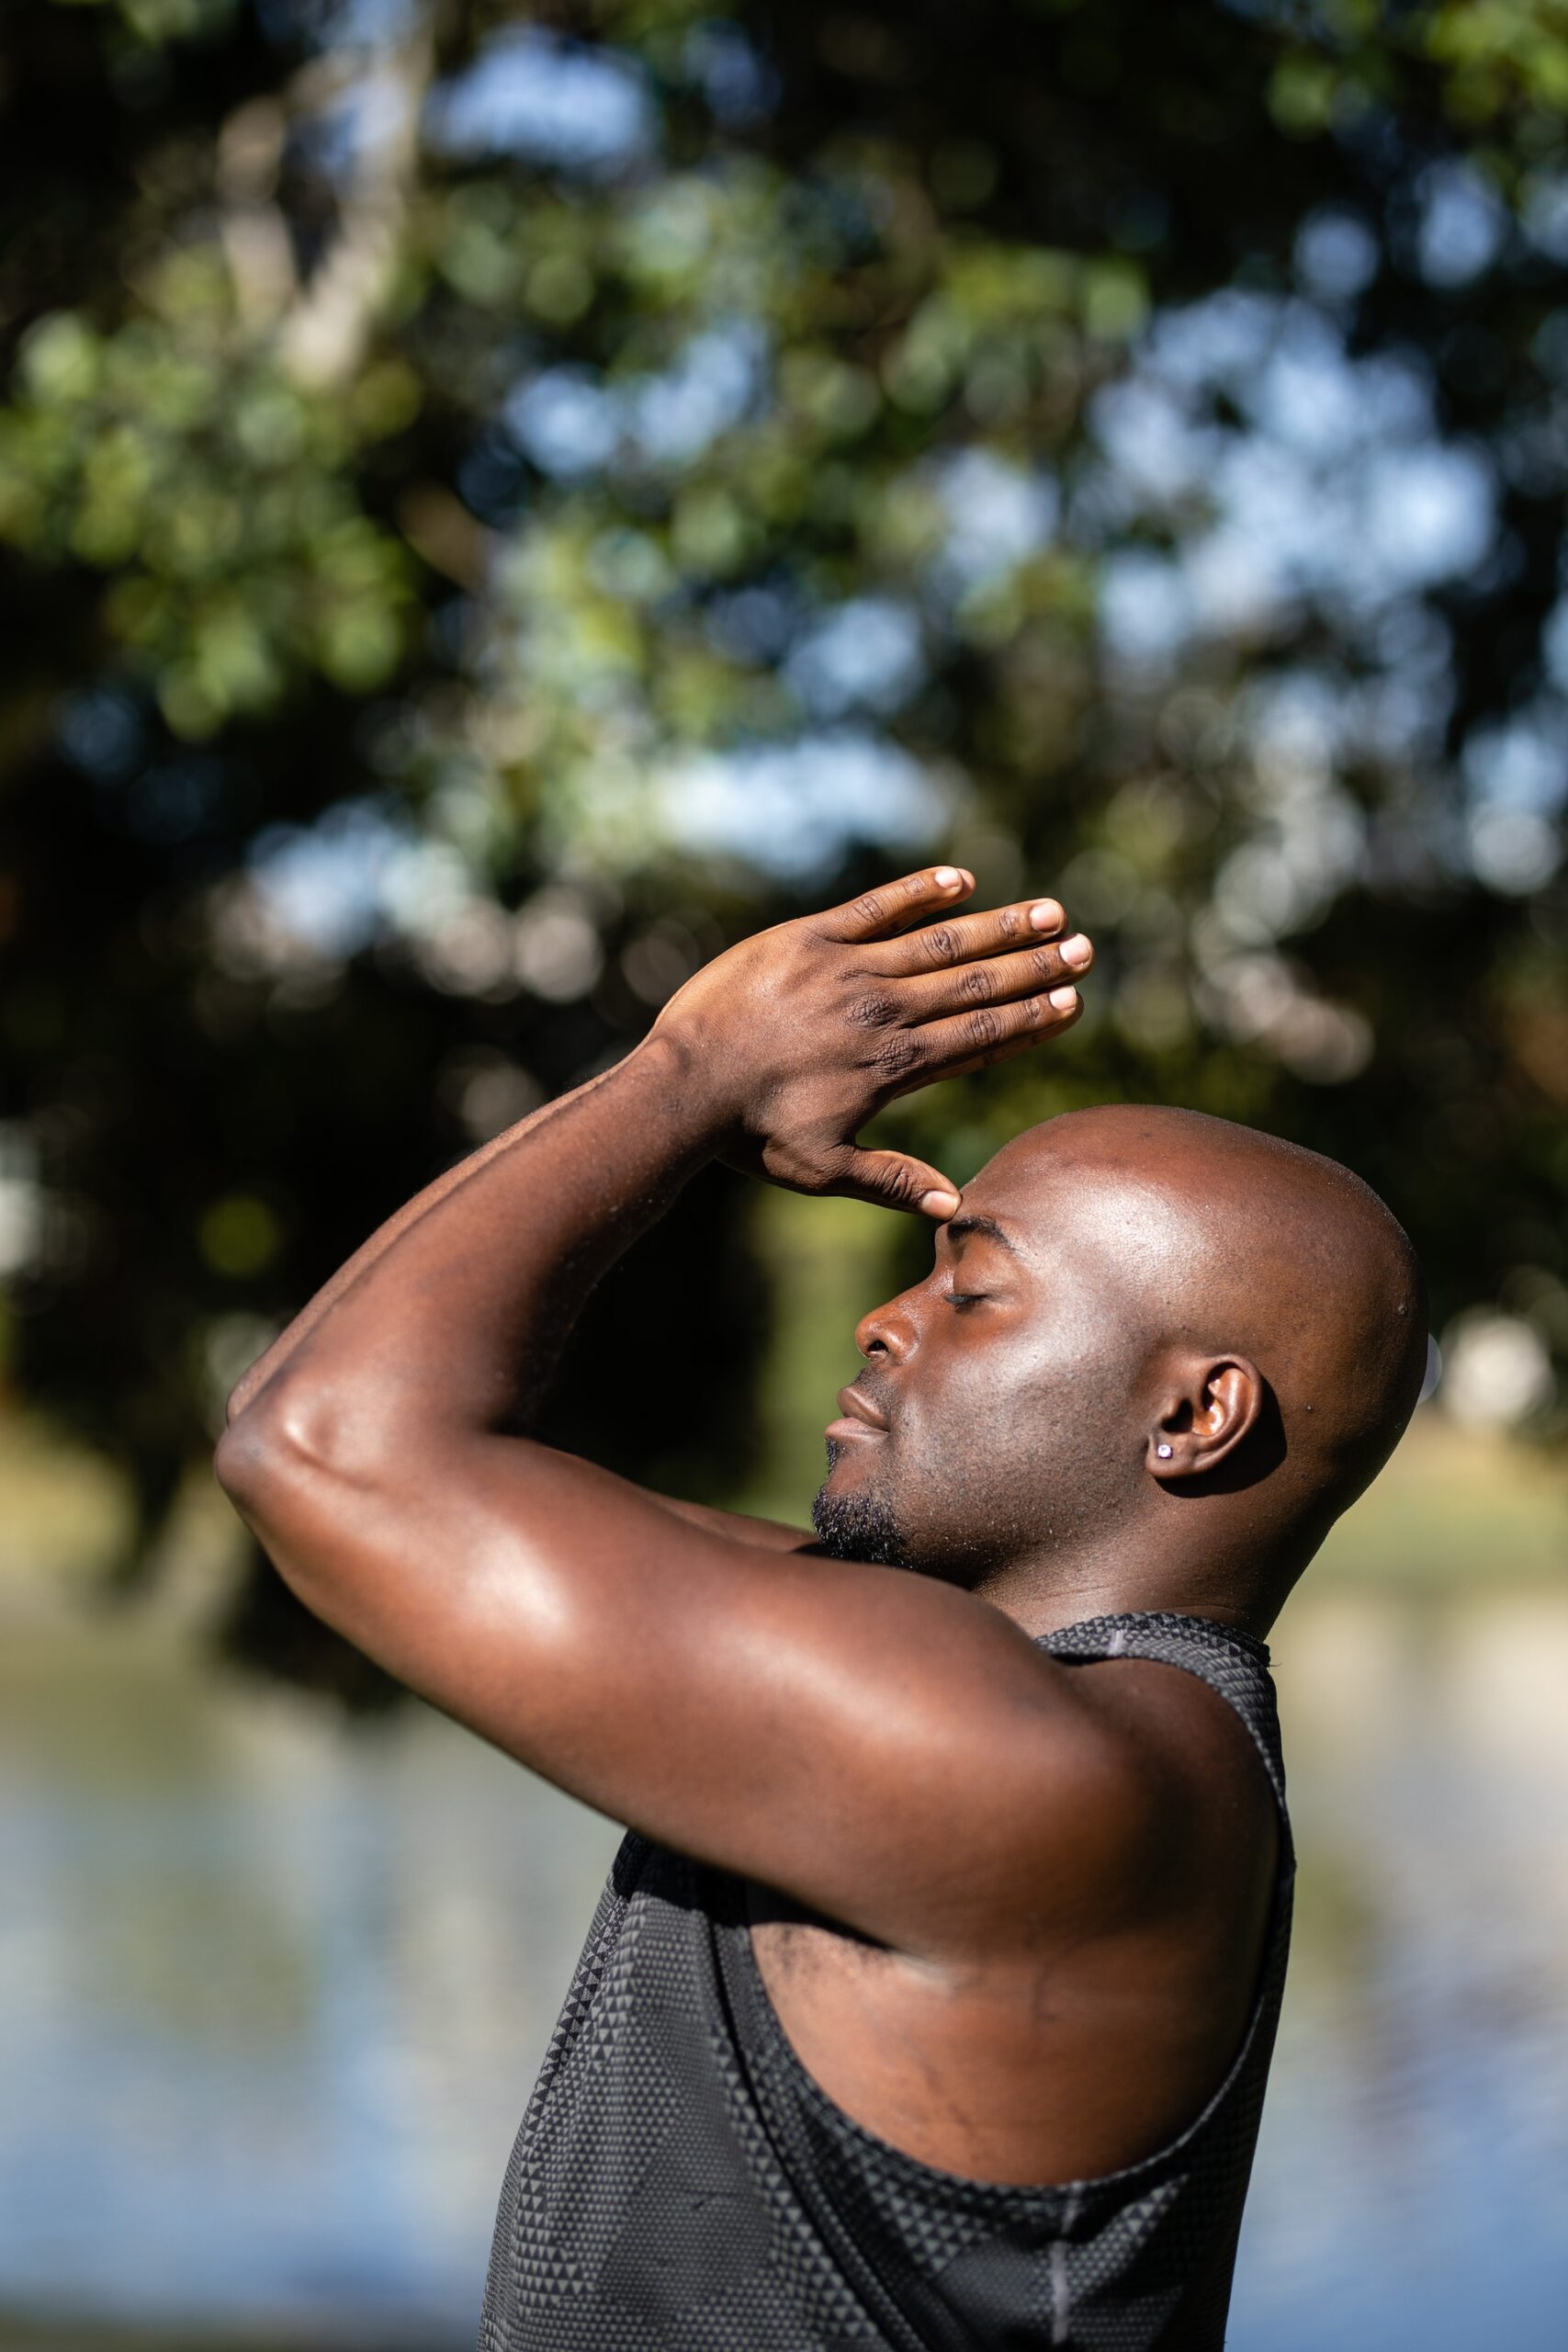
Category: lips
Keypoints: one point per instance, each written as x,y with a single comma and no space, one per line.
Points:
860,1417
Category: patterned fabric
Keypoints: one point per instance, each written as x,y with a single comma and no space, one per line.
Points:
681,2183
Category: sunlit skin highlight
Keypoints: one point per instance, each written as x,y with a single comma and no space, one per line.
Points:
1009,1914
1119,1280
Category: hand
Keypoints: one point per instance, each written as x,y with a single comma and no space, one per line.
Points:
805,1030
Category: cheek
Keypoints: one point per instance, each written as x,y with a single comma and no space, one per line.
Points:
974,1387
1020,1401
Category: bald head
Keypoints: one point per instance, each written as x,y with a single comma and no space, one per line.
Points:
1222,1239
1155,1346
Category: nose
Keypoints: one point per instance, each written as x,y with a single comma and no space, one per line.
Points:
887,1335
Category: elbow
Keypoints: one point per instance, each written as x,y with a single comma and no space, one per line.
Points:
239,1397
282,1440
244,1462
291,1501
299,1437
259,1460
283,1465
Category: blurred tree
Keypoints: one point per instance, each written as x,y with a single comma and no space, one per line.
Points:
488,509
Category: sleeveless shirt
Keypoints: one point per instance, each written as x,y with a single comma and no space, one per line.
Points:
681,2183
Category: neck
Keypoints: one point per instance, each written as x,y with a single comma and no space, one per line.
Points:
1044,1594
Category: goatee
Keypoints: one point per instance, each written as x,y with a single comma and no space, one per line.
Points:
859,1527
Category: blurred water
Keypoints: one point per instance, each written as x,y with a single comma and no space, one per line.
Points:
273,1996
1412,2183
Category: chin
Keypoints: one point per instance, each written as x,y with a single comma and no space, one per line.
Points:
867,1528
851,1472
858,1527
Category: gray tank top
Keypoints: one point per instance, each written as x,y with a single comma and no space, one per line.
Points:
681,2182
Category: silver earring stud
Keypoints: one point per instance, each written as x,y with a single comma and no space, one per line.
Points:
1164,1451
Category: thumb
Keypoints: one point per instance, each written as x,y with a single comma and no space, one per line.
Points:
892,1181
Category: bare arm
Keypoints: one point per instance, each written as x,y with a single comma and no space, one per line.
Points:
773,1534
841,1731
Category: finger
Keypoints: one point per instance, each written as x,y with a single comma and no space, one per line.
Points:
973,1039
1025,1043
877,913
936,945
891,1180
996,979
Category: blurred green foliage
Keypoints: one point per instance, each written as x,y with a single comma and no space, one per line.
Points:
216,496
492,509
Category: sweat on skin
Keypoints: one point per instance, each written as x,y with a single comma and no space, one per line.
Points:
1156,1355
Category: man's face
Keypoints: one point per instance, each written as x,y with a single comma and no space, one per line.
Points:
995,1417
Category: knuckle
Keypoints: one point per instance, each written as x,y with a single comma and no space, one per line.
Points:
1010,923
871,1011
1044,964
974,983
942,943
896,1056
867,908
985,1029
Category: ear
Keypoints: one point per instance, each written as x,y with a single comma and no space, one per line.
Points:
1209,1408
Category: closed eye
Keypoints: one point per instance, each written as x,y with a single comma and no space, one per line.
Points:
961,1299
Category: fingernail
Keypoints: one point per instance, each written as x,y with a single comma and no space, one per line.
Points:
1076,952
1063,999
1044,915
947,877
939,1203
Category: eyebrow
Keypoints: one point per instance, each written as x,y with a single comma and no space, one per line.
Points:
960,1228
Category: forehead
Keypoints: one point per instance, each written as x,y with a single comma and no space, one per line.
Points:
1059,1200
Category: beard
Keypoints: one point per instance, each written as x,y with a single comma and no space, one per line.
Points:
859,1527
866,1527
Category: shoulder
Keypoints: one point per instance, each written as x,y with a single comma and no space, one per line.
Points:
1166,1803
1170,1724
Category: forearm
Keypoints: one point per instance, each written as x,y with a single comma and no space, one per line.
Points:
451,1317
446,1325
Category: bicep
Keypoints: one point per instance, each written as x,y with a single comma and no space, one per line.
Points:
741,1527
886,1748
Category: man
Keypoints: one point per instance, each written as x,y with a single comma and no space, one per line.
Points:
931,1997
